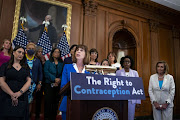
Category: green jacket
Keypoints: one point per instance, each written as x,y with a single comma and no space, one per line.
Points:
51,72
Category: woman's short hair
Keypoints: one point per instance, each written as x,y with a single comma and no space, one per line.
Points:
94,50
51,55
113,54
166,67
123,58
72,46
105,60
30,43
37,49
86,59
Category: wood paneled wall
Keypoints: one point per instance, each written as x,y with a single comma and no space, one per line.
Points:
1,3
6,18
94,22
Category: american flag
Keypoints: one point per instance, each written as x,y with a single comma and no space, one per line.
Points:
45,43
64,47
20,39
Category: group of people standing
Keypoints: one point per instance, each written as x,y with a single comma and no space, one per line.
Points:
24,75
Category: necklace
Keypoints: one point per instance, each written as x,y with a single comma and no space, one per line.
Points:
80,68
16,65
29,58
161,77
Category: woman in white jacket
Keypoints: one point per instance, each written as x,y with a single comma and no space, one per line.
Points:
161,92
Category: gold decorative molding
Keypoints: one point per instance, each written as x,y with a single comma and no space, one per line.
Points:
53,2
16,19
90,7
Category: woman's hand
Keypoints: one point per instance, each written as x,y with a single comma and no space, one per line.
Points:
57,80
157,106
17,94
164,106
38,87
12,95
14,102
14,99
55,84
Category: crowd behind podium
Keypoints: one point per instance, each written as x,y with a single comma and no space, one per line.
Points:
26,78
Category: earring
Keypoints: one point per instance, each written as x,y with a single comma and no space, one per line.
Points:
3,46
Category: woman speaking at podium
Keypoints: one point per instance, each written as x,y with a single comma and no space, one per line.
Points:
127,63
80,59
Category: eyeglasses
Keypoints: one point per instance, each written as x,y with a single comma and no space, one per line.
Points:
93,53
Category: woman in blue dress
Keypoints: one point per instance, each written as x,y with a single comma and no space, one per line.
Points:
80,59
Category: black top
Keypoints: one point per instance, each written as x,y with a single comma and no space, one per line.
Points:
15,80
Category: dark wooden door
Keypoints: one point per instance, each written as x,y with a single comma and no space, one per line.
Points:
124,44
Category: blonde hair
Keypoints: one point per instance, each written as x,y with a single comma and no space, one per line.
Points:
166,67
30,43
10,49
86,58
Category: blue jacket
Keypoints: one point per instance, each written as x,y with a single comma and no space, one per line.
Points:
50,71
37,74
68,68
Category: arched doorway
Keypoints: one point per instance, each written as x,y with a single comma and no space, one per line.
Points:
123,44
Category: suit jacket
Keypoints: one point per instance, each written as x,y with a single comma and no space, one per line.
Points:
166,93
50,71
68,68
37,74
132,73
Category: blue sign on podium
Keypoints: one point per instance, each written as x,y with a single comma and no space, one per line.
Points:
105,87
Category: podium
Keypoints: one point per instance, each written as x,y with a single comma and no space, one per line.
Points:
86,109
100,96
